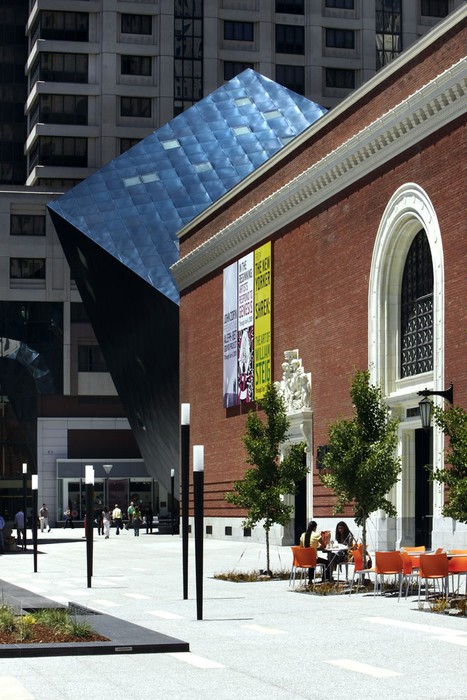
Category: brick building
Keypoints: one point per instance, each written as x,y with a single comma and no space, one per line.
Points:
364,214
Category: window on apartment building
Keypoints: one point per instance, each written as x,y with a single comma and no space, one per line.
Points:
340,78
136,24
291,7
27,268
91,359
291,77
60,150
341,4
435,8
188,53
233,68
340,38
290,39
27,225
135,107
417,309
63,109
136,65
239,31
63,67
388,31
63,26
126,144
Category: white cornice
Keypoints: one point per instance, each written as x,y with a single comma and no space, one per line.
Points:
431,107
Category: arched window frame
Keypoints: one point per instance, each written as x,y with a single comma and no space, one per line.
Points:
408,211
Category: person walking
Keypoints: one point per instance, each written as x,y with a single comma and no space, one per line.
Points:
130,513
106,522
69,519
2,543
117,518
44,518
148,514
137,520
19,525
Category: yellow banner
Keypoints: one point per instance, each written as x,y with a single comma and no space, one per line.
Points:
262,319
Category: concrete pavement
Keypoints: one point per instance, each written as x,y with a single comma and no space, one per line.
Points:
256,640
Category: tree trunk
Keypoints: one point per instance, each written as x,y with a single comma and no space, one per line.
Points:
268,567
364,543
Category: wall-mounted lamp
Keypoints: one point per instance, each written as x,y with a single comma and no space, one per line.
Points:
426,406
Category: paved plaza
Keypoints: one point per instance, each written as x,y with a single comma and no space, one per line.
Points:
257,640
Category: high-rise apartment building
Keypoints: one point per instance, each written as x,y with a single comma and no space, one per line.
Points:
81,82
84,80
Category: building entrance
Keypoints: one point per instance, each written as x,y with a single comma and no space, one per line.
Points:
423,488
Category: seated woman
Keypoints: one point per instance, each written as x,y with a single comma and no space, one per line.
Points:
343,537
312,538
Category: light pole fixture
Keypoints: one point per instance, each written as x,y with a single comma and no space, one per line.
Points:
172,482
25,505
426,406
107,468
89,481
198,489
34,487
185,486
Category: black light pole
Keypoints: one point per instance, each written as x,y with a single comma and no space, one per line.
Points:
198,488
172,482
185,474
25,495
89,480
34,485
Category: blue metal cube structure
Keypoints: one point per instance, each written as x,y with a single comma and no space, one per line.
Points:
118,229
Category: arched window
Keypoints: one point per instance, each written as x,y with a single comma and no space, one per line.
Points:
417,309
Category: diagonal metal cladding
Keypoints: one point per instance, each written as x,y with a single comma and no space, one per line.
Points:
137,329
119,230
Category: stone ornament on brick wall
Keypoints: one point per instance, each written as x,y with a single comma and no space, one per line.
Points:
295,385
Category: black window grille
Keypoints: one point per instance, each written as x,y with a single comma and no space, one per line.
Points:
417,309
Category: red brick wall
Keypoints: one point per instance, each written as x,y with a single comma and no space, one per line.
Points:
321,269
320,304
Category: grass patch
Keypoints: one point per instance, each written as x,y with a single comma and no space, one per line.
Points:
47,625
252,576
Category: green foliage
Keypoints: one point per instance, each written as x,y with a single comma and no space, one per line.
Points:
262,489
361,461
453,423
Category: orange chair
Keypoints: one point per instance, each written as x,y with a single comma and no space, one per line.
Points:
388,564
434,567
458,565
304,558
358,567
414,553
409,572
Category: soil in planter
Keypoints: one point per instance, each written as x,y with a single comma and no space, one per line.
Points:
42,634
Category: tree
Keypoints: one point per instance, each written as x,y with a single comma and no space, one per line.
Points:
453,423
360,464
261,491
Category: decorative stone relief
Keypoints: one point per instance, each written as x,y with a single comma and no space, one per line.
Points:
295,385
